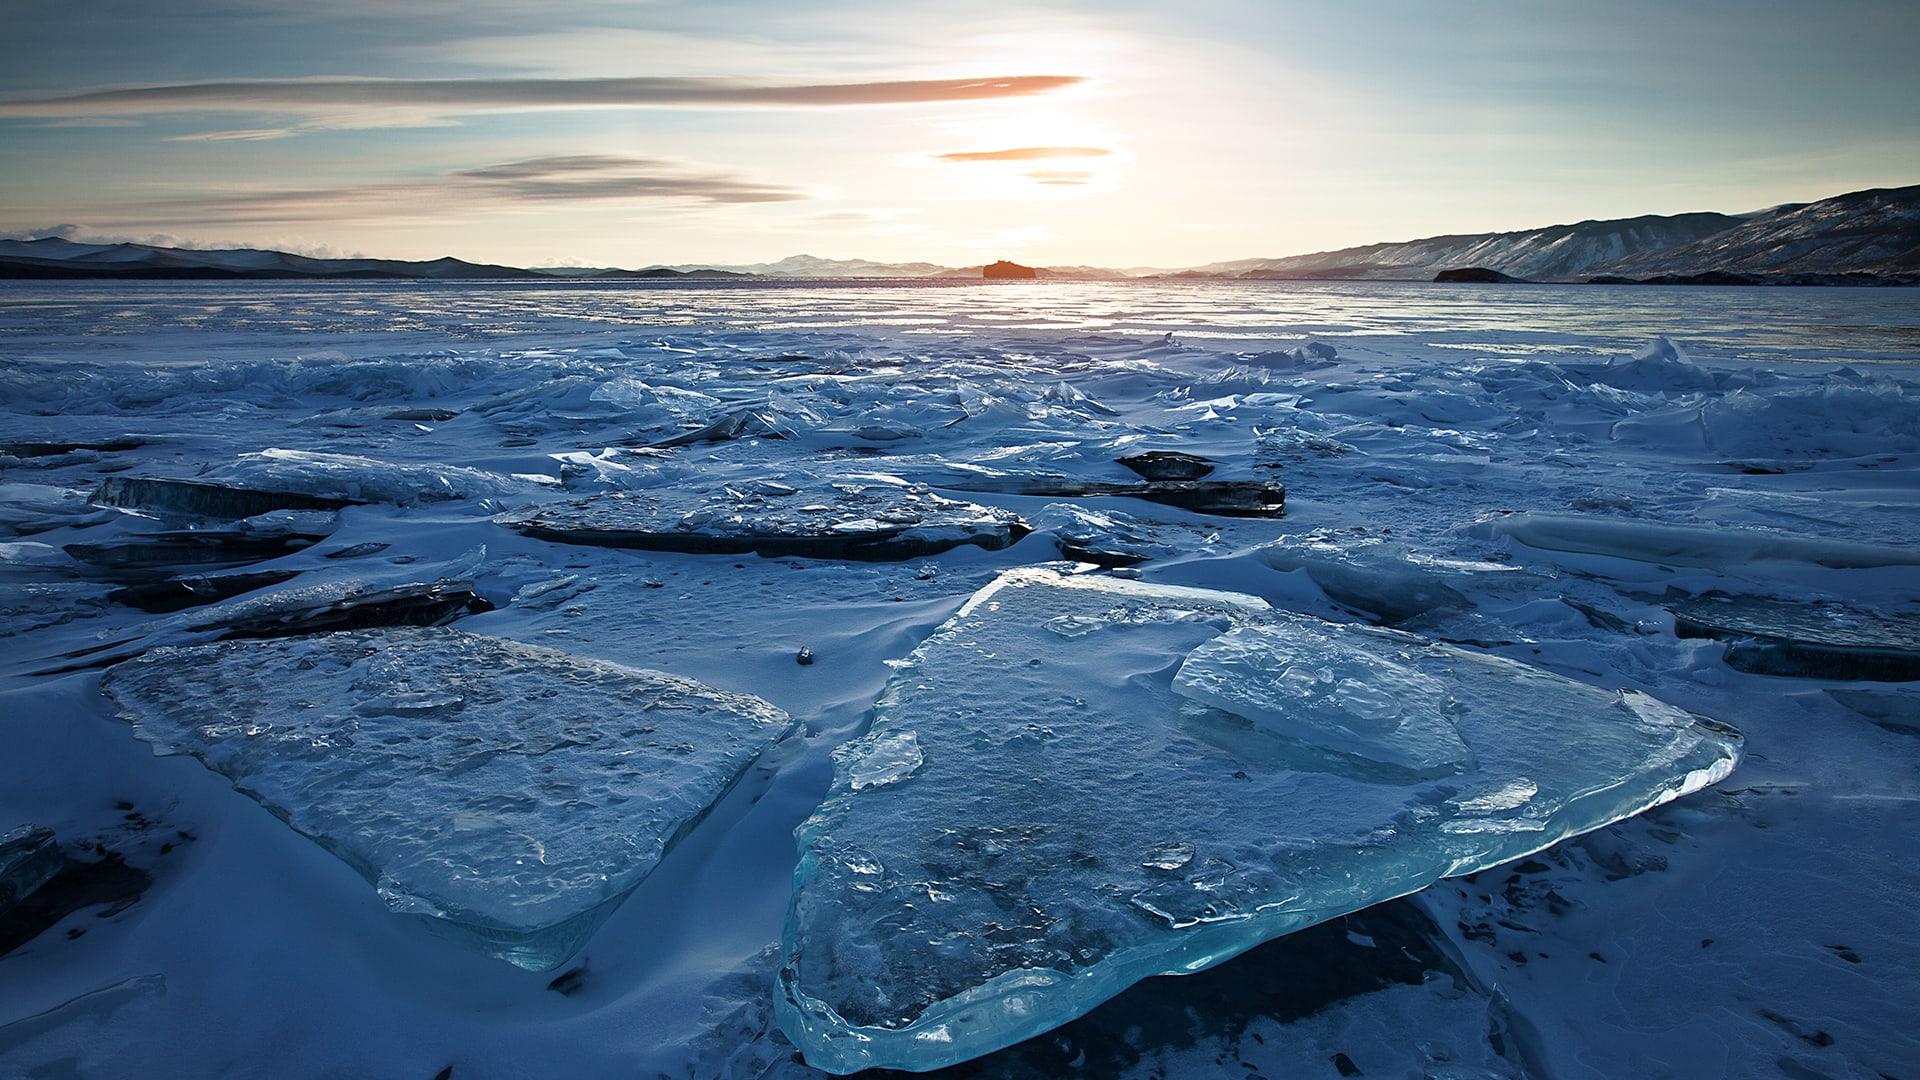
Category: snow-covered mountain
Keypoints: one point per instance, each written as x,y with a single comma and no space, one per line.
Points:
1874,232
813,266
1555,253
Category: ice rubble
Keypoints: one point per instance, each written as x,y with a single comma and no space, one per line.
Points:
867,517
508,794
1077,816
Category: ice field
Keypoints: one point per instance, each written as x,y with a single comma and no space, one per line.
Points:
743,680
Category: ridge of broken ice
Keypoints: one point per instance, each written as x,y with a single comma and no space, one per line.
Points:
509,795
1041,814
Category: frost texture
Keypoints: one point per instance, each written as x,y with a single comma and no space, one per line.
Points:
1077,823
513,795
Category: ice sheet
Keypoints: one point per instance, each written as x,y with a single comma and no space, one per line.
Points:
1794,415
1075,822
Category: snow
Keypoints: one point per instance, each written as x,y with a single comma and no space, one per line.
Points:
1489,469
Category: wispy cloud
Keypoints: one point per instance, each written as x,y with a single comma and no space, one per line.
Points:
508,186
324,97
1059,176
249,135
1026,153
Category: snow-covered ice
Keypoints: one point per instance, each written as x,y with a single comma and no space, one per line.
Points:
1548,475
1065,826
509,794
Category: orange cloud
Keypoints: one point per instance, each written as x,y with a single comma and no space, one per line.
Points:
490,95
1026,153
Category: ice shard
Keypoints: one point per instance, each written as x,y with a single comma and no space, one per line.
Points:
508,794
870,518
1110,780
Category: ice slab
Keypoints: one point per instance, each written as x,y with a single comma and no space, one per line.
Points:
152,556
1805,638
1169,465
29,857
1693,545
873,517
510,795
194,498
1387,580
1107,539
1226,498
1074,821
178,593
351,478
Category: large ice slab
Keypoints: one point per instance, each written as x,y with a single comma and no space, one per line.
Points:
511,795
869,517
1078,782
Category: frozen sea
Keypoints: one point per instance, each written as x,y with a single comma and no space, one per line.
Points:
1555,475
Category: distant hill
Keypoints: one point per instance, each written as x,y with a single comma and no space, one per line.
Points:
56,258
1875,232
1863,237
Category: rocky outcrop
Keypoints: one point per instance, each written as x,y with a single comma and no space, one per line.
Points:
1010,270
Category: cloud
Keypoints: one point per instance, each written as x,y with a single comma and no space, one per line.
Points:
588,176
1026,153
508,186
250,135
1059,176
354,98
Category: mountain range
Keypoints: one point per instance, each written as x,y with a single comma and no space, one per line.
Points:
1862,237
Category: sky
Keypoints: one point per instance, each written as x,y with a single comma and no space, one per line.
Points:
1120,133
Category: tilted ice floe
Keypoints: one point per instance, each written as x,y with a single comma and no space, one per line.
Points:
1806,638
362,479
866,516
510,795
163,497
1078,782
1693,545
